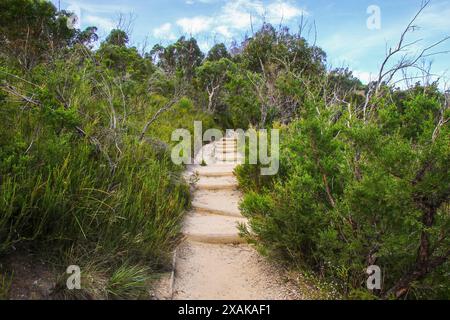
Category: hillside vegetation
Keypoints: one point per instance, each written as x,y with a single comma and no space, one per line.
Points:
86,176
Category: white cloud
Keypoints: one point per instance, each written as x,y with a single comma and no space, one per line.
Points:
236,16
90,14
239,14
279,12
164,31
191,2
224,31
102,23
99,8
364,76
195,25
205,46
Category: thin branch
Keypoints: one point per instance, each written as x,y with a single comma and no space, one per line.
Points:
155,117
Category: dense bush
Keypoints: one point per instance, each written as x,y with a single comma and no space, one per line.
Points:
72,183
78,184
356,193
86,179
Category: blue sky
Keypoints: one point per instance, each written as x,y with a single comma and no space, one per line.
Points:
341,26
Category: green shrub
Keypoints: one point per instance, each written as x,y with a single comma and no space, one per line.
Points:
78,188
351,196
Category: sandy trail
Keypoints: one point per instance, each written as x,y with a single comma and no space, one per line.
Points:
213,262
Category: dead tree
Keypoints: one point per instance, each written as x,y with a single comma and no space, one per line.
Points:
388,71
158,113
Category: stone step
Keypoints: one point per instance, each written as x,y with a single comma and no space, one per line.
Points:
226,143
227,163
216,171
225,151
235,161
220,165
212,229
225,203
207,209
217,183
228,156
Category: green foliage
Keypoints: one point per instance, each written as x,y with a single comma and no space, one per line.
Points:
182,57
128,281
353,194
87,36
31,30
358,185
242,101
118,38
76,183
270,47
125,61
218,52
211,77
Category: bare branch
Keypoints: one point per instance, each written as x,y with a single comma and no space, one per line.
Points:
155,117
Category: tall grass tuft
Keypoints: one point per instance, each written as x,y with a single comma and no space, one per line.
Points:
85,192
5,286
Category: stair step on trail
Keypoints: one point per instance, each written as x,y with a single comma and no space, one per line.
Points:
225,144
222,148
217,183
224,203
225,151
214,262
212,229
215,171
226,163
229,157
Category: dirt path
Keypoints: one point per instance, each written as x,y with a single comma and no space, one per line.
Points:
214,263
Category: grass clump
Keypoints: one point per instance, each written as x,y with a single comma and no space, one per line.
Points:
81,181
5,286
